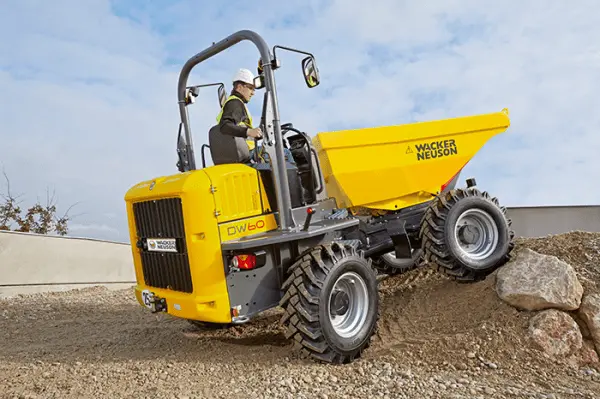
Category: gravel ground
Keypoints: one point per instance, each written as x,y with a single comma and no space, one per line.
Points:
436,339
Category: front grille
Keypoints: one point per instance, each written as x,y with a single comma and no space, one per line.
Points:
163,219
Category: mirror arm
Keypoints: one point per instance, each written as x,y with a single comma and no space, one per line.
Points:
206,85
290,49
191,88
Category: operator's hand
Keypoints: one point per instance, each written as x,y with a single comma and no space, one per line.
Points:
255,133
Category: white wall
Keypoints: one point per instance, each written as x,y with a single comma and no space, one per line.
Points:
33,263
545,220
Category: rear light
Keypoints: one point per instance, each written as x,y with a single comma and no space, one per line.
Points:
244,262
248,261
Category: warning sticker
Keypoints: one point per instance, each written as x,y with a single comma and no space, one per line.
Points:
436,149
409,150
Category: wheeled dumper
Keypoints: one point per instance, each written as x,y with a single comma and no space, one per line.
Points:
220,244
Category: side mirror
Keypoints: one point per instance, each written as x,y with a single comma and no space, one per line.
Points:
259,68
259,82
191,95
310,72
222,96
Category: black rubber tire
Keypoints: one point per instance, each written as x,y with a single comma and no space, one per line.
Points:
440,248
395,267
305,303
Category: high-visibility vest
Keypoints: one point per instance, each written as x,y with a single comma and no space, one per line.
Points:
249,140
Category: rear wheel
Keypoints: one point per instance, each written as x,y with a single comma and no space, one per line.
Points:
466,234
331,303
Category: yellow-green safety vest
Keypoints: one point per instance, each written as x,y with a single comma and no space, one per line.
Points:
249,140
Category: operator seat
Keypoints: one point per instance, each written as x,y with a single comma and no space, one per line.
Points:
226,149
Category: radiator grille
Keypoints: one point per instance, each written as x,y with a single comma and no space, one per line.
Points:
163,219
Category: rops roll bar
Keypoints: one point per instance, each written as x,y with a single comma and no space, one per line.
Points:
272,139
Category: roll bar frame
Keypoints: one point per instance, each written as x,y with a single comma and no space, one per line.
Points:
272,139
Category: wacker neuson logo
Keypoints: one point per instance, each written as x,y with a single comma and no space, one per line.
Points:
436,149
162,245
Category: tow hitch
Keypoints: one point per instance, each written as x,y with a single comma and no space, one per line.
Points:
153,302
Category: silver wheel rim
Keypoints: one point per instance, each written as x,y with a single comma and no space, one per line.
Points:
349,297
476,233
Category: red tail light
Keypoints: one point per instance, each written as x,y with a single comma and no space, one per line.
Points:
244,262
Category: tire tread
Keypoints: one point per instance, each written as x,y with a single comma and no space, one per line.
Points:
432,235
301,303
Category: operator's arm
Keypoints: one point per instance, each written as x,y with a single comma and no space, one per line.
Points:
233,113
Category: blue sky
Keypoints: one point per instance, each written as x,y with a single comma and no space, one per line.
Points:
88,99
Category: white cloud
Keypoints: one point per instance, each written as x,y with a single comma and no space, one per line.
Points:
89,97
102,231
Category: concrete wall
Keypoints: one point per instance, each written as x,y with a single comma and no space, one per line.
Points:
33,263
541,221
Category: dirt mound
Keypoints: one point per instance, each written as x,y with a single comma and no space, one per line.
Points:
436,321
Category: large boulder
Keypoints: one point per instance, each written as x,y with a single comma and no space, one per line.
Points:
555,333
532,281
589,312
588,354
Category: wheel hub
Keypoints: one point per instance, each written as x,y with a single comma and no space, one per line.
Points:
348,304
477,234
469,234
340,303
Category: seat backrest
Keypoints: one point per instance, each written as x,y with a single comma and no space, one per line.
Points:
227,149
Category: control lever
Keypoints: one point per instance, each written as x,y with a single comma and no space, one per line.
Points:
310,211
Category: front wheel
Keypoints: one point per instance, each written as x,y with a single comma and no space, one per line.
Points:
331,303
466,234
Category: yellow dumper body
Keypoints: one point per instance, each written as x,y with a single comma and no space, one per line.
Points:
179,223
393,167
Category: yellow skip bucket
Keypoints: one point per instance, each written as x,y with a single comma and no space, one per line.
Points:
393,167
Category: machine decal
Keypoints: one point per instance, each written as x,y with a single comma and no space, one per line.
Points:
436,149
162,245
243,227
247,227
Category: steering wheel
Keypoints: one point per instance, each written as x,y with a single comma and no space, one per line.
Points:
285,128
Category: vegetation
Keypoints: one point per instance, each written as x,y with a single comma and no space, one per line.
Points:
38,218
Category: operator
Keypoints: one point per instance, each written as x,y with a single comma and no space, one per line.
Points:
235,124
235,121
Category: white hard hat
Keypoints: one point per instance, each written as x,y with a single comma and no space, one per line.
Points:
244,75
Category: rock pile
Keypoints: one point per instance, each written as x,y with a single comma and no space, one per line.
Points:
566,315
